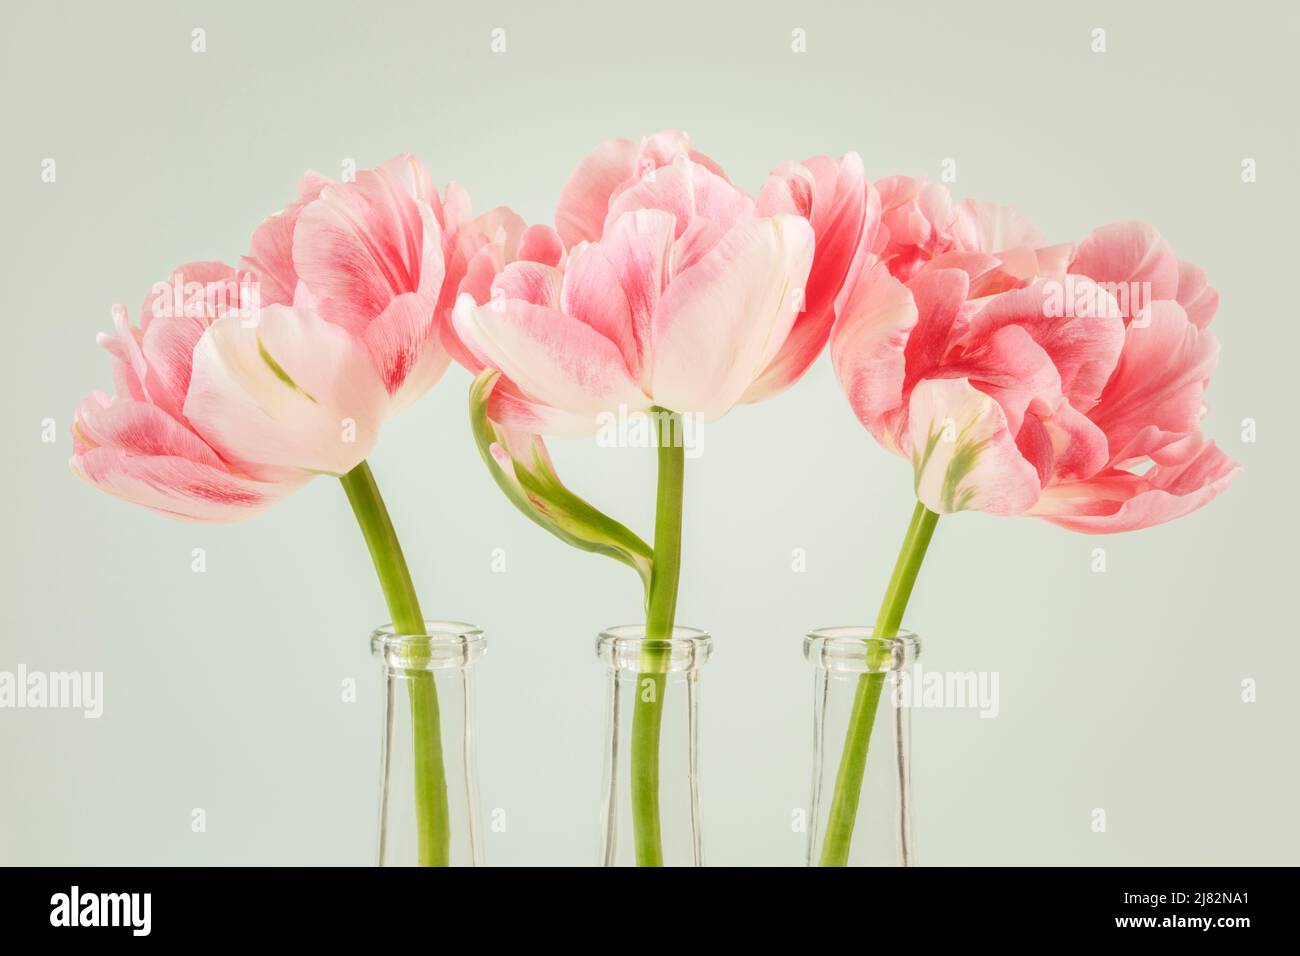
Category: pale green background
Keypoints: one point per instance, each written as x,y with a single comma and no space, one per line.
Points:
1119,690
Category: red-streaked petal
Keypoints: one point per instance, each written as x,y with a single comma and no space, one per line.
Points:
406,349
177,487
363,243
1119,501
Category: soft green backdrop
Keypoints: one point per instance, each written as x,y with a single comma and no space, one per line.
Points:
1119,690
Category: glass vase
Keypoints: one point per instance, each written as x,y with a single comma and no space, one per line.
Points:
652,784
861,790
428,804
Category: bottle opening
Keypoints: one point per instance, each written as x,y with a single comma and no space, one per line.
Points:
445,644
857,649
626,647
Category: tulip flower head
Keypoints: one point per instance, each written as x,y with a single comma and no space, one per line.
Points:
239,385
1060,382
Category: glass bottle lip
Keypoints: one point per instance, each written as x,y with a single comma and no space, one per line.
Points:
853,648
445,644
625,647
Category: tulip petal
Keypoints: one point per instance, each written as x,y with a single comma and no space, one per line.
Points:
963,455
553,358
721,321
868,343
178,487
844,212
406,350
270,253
940,295
1117,501
361,244
688,191
1131,261
593,293
1155,395
1075,322
140,430
290,392
584,199
639,248
1195,295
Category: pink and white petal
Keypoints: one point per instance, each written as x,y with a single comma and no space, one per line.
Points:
168,347
362,243
553,358
686,190
509,407
840,206
639,248
130,370
529,282
720,322
592,293
867,347
1195,295
963,455
1155,395
139,429
177,487
270,253
291,392
406,349
584,199
1075,322
1120,501
1132,261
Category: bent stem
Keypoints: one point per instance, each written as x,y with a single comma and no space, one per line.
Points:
661,611
866,699
431,809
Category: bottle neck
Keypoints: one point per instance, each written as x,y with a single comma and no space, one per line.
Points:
429,813
652,801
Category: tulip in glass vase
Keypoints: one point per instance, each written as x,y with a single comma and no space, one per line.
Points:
241,384
1059,382
676,294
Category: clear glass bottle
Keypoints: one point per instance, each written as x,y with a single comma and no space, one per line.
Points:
428,804
861,793
652,789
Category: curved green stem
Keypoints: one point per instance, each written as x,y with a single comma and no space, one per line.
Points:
866,699
431,808
661,611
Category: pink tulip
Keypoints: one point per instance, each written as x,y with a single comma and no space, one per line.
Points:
678,289
141,445
288,367
1023,379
